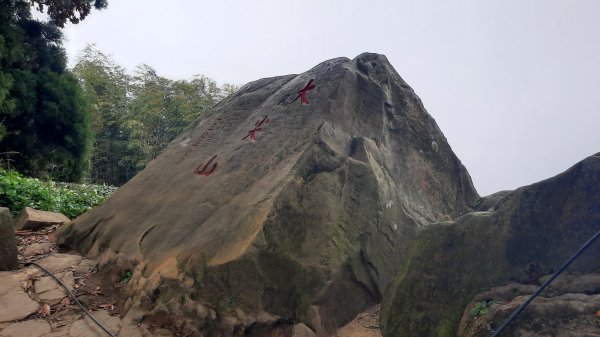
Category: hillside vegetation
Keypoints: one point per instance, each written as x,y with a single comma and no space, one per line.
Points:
18,192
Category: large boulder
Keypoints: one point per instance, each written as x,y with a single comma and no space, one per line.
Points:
519,237
307,224
8,243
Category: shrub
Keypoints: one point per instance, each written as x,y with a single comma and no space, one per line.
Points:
18,192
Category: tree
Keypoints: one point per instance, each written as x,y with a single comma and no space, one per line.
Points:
61,11
43,115
161,108
106,88
136,117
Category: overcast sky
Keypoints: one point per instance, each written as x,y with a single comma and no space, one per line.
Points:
513,84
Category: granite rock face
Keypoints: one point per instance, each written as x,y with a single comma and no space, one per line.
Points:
308,223
519,237
8,243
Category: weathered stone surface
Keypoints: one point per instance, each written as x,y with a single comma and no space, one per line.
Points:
15,303
61,332
37,249
566,308
301,330
86,266
365,324
33,219
87,328
526,234
37,328
162,333
130,330
324,204
8,244
58,263
49,291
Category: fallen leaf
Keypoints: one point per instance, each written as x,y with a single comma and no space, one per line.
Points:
96,293
109,306
45,310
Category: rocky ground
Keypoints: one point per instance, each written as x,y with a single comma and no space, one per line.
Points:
570,307
35,305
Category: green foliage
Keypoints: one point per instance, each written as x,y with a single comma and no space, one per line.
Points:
162,108
127,276
18,192
481,308
61,11
106,88
44,120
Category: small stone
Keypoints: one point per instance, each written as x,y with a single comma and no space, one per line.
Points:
32,219
37,249
188,282
16,304
50,291
37,328
86,266
301,330
135,315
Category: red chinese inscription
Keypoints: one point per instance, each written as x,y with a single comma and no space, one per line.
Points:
303,91
257,128
203,170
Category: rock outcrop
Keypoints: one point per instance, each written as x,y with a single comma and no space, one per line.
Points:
569,307
307,224
32,219
8,243
518,236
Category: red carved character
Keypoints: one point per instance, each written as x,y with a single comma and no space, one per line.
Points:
302,93
252,133
203,171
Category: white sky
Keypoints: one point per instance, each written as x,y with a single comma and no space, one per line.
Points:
513,84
